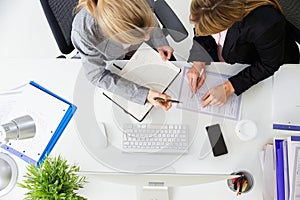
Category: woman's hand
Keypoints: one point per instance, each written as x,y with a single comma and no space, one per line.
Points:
218,95
165,52
164,105
196,76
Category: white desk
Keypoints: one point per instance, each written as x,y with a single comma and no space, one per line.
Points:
61,75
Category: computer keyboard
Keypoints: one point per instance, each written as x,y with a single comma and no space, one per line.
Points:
155,138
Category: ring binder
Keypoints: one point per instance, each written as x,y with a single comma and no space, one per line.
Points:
51,114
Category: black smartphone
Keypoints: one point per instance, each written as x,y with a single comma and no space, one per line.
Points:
216,140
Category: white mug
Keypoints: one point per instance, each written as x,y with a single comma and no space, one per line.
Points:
246,130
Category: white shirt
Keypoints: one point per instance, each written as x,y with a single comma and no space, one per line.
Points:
220,39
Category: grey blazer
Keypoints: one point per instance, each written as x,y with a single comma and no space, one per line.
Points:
95,50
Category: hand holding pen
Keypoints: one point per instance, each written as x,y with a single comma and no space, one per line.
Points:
153,97
196,76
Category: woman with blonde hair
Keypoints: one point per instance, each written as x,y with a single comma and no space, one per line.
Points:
251,32
105,30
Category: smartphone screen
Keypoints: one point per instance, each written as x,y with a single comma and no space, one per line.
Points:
216,140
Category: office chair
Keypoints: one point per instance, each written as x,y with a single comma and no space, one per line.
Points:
291,11
171,24
59,14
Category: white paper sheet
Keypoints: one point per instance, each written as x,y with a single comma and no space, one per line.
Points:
8,100
230,110
268,173
295,182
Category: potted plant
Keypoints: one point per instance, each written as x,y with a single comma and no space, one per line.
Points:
54,179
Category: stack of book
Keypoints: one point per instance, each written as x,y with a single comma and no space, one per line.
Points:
287,168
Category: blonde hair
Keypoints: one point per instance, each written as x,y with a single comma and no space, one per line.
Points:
214,16
125,21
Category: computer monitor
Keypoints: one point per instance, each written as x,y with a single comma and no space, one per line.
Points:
155,185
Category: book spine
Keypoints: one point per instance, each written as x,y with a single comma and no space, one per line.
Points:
279,170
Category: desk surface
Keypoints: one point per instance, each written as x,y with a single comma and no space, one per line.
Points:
61,76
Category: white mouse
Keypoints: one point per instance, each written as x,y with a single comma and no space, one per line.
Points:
102,141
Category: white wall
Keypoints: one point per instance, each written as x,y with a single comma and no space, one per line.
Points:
25,32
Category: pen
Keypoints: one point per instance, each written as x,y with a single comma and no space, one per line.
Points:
165,100
198,79
115,65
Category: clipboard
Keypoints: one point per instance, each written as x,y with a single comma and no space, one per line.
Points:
51,115
145,68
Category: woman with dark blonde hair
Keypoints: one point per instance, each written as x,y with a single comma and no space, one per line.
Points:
250,32
105,30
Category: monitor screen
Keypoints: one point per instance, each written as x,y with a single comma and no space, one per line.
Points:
166,179
155,185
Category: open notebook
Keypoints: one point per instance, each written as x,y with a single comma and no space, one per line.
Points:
145,68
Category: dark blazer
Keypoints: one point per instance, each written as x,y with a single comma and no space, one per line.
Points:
261,40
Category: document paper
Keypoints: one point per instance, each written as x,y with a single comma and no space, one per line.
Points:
268,173
8,100
7,103
230,110
295,186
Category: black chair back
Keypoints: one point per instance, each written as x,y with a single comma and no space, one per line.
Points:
60,14
291,11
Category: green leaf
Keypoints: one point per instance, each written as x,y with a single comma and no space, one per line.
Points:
54,179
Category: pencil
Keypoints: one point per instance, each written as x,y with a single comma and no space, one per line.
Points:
198,79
